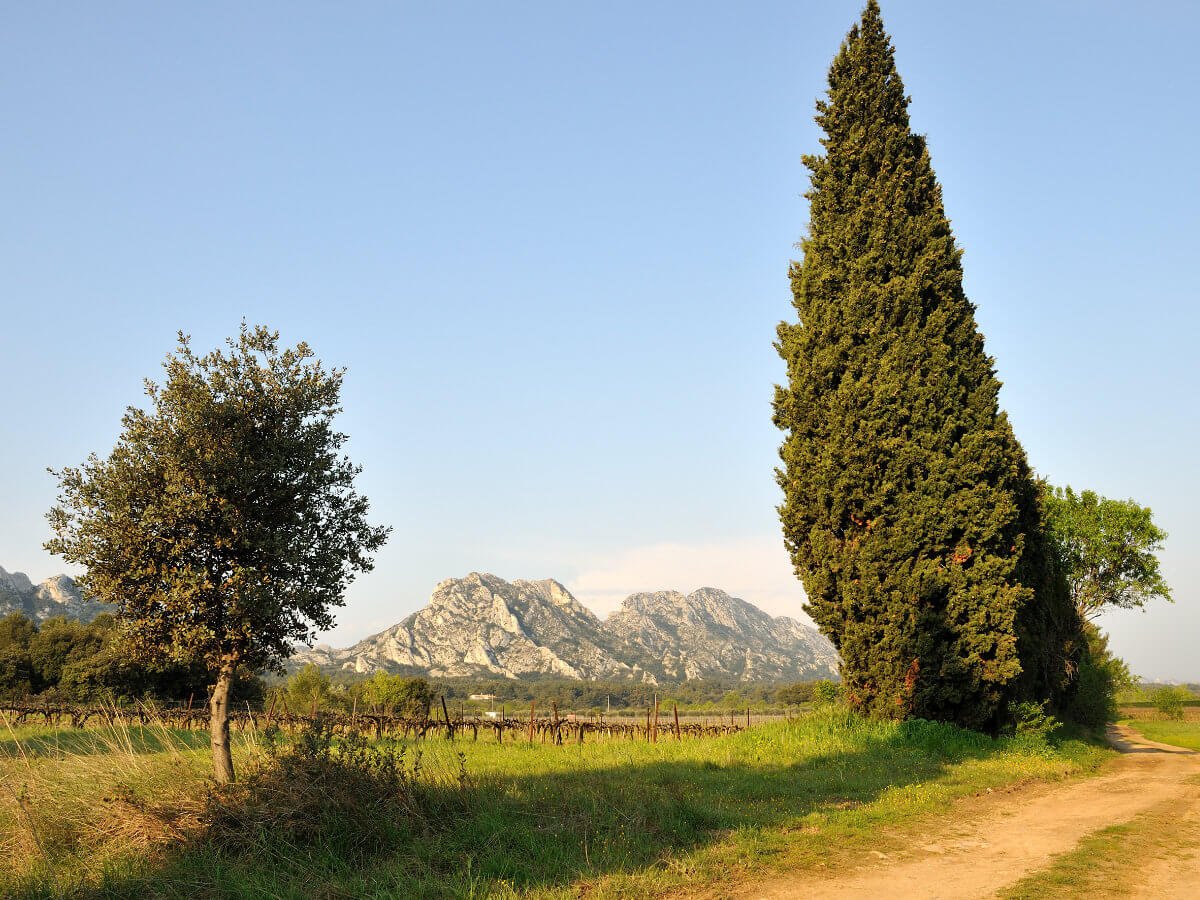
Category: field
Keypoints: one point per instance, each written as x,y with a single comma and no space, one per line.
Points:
113,809
1168,731
1180,732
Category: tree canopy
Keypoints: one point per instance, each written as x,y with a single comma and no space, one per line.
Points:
1109,550
224,524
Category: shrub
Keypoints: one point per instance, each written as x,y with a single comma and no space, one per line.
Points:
346,796
1030,720
1101,675
826,692
1169,701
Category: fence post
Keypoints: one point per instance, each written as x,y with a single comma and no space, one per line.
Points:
678,735
532,704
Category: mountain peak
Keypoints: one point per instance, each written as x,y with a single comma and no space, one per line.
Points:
480,625
56,596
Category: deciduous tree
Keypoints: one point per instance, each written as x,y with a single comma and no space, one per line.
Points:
225,523
1109,550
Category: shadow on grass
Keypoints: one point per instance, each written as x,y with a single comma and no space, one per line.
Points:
549,830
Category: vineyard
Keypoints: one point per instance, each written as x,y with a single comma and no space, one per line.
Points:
551,728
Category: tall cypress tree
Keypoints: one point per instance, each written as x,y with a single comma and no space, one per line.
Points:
909,508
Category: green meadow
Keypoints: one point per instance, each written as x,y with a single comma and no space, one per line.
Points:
122,811
1169,731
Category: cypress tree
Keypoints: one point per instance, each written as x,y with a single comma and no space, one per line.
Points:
909,509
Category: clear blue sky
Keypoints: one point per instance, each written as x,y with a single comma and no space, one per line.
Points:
550,243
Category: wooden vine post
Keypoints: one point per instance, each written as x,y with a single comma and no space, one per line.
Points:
531,708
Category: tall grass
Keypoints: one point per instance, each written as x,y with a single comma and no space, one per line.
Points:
610,818
73,800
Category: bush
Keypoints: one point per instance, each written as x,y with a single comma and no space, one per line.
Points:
1169,701
346,796
1030,720
1101,675
826,692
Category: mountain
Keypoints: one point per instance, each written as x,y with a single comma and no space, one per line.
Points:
709,634
57,596
484,626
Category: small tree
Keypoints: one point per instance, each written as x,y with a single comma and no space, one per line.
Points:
224,524
1169,701
396,695
309,689
1109,550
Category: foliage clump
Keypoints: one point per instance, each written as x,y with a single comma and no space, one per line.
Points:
341,794
910,511
1169,701
1100,678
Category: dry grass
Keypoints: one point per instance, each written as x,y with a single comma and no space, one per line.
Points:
71,799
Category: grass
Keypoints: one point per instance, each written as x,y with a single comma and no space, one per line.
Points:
1169,731
611,818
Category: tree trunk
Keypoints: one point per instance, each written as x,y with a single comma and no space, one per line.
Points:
218,724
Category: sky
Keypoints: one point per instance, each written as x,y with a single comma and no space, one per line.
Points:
549,242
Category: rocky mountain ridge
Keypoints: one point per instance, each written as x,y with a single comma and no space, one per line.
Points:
56,596
484,626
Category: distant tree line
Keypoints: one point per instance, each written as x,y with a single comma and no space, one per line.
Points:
66,660
311,688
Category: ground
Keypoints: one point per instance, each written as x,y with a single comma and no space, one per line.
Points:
1131,831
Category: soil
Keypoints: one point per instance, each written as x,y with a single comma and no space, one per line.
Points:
994,841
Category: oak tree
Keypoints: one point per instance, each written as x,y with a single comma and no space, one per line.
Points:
224,524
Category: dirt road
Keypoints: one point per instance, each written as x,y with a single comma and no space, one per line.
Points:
1001,839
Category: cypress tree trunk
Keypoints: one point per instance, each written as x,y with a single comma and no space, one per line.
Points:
909,508
218,724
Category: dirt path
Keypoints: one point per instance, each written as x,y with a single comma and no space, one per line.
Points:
999,840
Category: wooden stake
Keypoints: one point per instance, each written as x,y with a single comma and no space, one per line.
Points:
531,707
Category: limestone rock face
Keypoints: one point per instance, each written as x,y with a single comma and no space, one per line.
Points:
709,634
57,596
484,626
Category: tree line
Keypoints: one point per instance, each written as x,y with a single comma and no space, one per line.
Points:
67,660
312,688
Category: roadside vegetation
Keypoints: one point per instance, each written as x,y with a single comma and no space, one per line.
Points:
130,812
